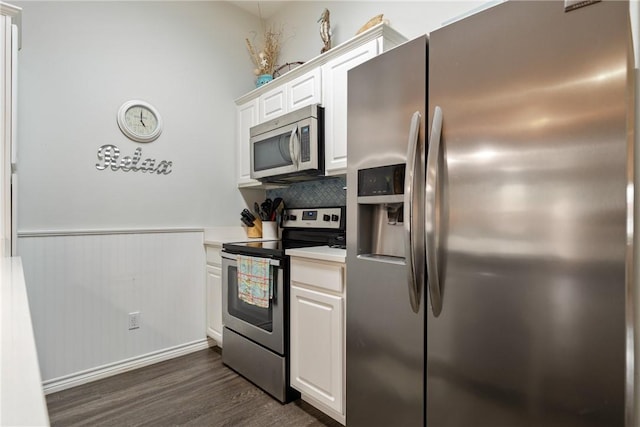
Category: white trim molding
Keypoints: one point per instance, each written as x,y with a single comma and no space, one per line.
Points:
97,232
100,372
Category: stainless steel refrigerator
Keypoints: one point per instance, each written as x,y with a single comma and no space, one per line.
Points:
499,154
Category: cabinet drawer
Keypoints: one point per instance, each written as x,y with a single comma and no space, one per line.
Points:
213,255
323,275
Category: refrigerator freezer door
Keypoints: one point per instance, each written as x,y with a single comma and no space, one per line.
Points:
385,336
533,217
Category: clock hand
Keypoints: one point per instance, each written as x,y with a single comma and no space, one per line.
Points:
141,119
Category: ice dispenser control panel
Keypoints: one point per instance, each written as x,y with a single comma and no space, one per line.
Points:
381,181
380,212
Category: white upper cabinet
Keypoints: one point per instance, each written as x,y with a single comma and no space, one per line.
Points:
273,103
247,116
299,92
305,90
321,80
334,75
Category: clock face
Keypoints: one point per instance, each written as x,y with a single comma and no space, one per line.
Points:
139,121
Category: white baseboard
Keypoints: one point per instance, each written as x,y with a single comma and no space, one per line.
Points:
83,377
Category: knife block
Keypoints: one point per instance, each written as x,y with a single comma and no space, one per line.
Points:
256,230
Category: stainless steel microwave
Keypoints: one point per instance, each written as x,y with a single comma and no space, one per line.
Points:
289,148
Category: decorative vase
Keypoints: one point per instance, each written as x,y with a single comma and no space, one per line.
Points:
263,78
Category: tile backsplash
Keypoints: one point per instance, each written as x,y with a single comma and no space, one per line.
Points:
313,194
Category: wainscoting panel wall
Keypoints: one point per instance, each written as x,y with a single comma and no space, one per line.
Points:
82,287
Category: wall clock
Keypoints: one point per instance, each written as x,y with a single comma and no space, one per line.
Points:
139,121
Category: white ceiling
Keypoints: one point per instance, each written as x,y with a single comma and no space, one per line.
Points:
264,9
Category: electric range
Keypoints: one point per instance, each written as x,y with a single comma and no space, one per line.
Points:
256,336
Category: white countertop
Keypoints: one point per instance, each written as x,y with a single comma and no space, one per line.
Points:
216,236
322,253
22,401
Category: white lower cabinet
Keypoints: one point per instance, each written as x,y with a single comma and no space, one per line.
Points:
214,303
214,294
318,334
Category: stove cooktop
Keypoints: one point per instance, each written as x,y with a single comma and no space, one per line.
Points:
274,248
302,228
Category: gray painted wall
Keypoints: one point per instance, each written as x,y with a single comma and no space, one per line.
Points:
411,18
79,62
82,59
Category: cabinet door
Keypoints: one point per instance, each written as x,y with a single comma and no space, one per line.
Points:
247,116
334,80
214,303
273,103
304,90
317,324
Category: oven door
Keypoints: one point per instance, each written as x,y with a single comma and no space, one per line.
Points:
262,325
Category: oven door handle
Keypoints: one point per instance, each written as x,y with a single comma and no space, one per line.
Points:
234,257
274,285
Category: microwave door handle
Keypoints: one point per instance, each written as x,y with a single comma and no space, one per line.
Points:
296,148
292,146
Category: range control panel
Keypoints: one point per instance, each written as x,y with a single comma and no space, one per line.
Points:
332,218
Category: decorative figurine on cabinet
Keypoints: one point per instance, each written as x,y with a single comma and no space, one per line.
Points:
325,30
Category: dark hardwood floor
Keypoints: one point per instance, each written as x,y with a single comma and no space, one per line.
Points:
192,390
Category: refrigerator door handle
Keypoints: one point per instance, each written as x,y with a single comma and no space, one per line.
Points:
430,212
410,239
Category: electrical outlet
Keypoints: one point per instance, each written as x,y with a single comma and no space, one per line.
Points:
134,320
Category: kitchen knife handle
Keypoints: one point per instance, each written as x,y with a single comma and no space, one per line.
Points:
415,290
430,232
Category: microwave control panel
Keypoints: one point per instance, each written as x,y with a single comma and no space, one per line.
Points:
305,144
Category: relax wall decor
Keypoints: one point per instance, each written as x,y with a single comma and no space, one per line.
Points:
109,156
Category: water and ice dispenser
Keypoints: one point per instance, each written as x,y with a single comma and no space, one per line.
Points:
381,213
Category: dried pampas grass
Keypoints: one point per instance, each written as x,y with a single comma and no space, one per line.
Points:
265,60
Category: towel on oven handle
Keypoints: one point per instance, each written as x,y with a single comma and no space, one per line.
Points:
254,280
